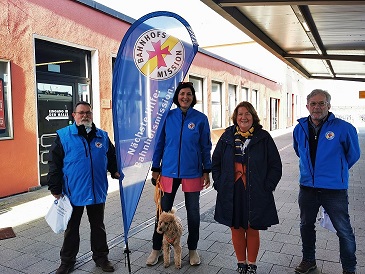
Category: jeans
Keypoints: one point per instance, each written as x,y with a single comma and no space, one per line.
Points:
335,203
193,215
71,242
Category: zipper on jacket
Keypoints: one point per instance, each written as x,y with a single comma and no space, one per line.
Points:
92,172
306,145
181,131
86,150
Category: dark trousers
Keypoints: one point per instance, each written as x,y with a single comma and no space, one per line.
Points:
335,202
193,215
71,242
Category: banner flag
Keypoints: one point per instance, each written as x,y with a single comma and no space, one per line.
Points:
154,56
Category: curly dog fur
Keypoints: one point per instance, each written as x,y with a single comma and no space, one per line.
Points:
170,226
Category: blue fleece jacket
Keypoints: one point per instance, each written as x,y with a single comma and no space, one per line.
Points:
337,151
184,147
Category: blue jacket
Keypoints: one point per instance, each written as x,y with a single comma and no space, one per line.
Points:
84,166
337,151
184,147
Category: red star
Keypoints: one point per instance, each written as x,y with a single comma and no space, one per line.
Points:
158,52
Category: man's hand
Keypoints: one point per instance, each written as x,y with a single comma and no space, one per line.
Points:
57,196
116,175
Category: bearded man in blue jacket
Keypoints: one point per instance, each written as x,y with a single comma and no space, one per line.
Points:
80,157
327,148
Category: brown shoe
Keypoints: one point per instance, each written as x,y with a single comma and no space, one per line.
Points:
305,267
64,268
106,266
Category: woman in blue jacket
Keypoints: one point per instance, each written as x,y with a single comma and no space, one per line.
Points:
182,156
246,168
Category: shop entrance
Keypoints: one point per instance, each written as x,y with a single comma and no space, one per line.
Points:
61,82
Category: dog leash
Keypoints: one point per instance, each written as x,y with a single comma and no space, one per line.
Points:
157,197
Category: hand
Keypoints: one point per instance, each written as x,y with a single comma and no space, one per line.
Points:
155,174
116,175
206,183
57,196
154,178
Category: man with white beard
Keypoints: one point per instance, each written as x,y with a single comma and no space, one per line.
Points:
80,157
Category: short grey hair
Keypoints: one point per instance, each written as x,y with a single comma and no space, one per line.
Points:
319,91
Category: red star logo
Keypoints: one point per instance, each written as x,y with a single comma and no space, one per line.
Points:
158,52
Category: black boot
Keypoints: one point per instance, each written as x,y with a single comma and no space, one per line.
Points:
251,269
241,268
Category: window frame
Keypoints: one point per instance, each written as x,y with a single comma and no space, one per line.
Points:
7,104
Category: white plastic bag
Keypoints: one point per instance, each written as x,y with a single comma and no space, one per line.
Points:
325,220
59,214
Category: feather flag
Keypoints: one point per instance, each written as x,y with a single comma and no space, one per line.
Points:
154,56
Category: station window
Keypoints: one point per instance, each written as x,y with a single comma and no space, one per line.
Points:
6,119
244,94
232,101
216,105
198,86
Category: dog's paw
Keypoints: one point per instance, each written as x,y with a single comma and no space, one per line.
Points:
178,266
166,265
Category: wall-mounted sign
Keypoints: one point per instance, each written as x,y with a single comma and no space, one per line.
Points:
2,106
362,94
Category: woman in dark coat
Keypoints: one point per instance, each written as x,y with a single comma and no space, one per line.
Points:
246,168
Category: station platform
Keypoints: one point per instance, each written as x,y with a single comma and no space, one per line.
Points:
35,248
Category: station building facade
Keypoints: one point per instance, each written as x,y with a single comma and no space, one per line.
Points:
55,53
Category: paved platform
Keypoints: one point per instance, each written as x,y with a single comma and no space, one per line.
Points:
35,249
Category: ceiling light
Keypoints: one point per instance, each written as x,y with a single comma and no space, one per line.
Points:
305,26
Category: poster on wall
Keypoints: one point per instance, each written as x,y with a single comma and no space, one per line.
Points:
2,107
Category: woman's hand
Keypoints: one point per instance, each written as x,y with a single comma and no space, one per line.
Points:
154,178
155,174
206,183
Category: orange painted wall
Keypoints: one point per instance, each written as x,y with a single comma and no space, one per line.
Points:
68,21
62,20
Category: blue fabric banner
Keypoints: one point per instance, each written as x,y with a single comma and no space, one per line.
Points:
154,56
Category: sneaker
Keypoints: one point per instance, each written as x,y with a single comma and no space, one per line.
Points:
64,268
305,267
241,268
194,257
106,266
251,269
153,258
348,272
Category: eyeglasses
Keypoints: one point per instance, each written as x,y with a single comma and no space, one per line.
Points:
320,104
82,113
186,83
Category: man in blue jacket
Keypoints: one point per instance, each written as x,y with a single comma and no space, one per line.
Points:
327,148
80,158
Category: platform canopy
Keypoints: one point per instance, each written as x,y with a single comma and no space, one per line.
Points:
319,39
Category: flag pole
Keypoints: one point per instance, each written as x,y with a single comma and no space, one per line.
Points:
126,254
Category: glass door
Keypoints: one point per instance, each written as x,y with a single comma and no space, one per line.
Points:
55,106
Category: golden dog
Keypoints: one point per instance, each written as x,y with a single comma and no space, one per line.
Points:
170,226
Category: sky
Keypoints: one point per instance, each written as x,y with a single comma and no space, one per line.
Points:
211,29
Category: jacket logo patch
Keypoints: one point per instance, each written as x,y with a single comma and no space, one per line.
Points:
98,144
330,135
191,126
